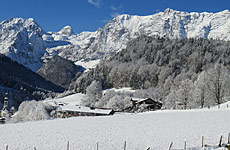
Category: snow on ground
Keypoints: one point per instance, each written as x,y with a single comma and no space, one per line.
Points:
122,90
222,106
74,99
89,64
152,129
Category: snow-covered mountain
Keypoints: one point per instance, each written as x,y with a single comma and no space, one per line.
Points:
26,42
22,41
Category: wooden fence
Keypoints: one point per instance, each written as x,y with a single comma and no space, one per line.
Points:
203,145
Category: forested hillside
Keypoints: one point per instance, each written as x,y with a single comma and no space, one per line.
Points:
163,63
60,71
22,84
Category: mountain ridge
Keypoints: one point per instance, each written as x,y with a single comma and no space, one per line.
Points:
31,46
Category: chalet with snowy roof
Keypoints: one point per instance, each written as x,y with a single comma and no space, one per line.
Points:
75,110
149,103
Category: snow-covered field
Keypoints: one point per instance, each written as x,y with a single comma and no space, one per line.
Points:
222,106
89,64
122,90
74,99
152,129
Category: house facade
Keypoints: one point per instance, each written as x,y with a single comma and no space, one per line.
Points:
66,111
148,103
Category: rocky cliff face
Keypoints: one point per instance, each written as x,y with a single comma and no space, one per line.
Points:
25,41
22,41
60,71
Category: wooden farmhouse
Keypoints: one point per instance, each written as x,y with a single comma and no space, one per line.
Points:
149,103
74,110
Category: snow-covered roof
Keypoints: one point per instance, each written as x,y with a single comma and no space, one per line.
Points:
85,109
139,100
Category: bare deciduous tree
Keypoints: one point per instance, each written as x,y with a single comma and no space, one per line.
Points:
184,92
200,89
218,83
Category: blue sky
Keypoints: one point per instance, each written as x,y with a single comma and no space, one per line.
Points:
89,15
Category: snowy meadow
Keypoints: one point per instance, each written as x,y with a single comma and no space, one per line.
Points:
140,131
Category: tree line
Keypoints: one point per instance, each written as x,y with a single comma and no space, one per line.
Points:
179,67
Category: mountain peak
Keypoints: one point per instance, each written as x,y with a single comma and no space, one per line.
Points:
225,11
13,21
67,30
20,23
168,10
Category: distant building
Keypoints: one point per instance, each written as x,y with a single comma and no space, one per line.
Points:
73,111
4,110
179,105
148,103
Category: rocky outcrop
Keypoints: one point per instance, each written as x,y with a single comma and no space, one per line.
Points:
60,71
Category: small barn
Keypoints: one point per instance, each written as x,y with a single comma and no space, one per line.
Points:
74,110
149,103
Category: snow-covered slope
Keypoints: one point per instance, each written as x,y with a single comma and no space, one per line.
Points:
140,131
24,41
225,105
74,99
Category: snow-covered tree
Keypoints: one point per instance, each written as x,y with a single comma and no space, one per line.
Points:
184,92
116,100
218,83
116,103
105,98
31,111
200,93
171,99
93,93
152,92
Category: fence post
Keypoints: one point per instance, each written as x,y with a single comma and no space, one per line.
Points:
68,145
228,138
35,148
170,146
202,142
125,146
185,142
6,147
220,141
97,146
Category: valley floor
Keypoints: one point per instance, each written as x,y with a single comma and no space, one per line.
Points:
152,129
